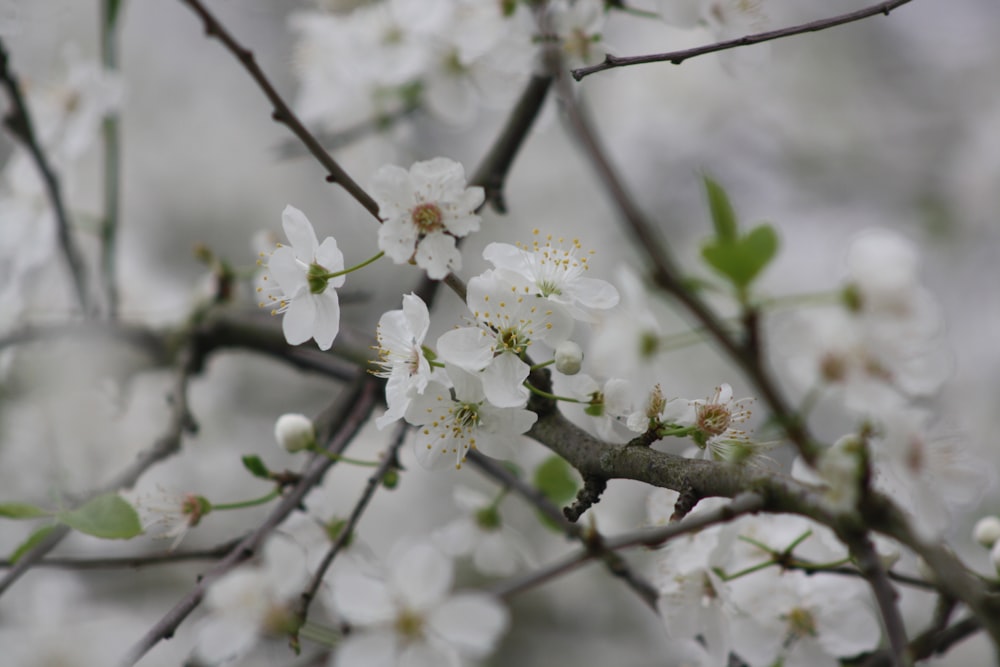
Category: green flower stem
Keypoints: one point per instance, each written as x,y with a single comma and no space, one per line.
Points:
344,459
319,634
827,298
247,503
552,397
370,260
742,573
676,431
543,364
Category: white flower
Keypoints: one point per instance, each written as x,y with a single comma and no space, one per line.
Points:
251,601
481,532
507,323
424,210
169,515
603,408
400,336
798,620
578,24
307,293
404,616
555,273
449,427
294,432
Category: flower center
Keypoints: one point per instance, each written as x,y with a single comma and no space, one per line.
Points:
800,623
714,419
512,340
427,217
410,624
467,415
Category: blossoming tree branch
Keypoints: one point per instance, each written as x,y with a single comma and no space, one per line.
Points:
458,453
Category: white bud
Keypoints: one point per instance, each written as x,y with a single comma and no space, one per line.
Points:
888,553
995,556
569,356
987,531
294,432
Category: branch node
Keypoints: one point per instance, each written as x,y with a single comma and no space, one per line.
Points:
586,497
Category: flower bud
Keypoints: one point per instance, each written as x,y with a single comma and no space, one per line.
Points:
569,356
995,556
987,531
294,432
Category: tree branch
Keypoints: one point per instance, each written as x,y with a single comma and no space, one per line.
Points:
282,112
19,122
677,57
339,426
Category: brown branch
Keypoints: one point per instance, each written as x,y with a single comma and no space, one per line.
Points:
677,57
668,277
339,426
18,121
282,112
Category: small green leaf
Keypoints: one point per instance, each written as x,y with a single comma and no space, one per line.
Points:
256,467
108,516
742,260
21,511
33,539
723,215
557,480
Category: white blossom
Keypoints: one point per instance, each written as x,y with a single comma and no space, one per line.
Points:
507,324
987,531
554,272
251,601
496,549
449,427
404,616
568,357
424,210
306,293
402,360
294,432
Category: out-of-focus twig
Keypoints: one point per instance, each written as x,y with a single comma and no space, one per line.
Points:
18,121
111,133
677,57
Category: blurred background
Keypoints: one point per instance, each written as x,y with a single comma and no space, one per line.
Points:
892,122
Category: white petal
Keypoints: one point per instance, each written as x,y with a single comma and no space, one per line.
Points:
437,254
595,293
287,272
360,598
469,348
503,381
300,233
397,238
393,190
421,575
331,258
416,316
326,324
222,638
471,622
377,648
299,319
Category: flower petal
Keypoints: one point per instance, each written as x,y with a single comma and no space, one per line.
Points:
300,233
299,319
326,324
471,622
421,575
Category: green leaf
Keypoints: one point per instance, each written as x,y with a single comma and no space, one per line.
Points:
742,260
723,215
34,539
557,480
21,511
256,467
108,516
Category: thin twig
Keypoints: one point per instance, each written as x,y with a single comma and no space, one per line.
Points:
595,544
134,562
282,112
390,461
111,131
345,420
871,569
743,504
166,445
677,57
18,121
668,277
